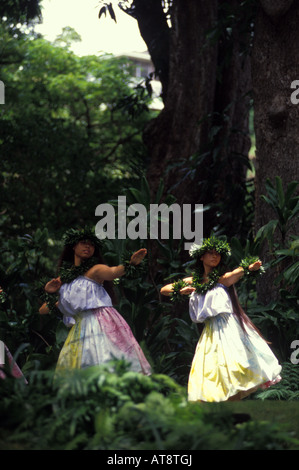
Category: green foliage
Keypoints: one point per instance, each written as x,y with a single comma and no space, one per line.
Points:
286,209
65,143
283,247
21,11
66,146
287,389
279,318
290,274
24,261
108,408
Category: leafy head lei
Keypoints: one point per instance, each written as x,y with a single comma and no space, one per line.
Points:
73,236
208,244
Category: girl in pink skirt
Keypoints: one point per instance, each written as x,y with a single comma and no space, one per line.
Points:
98,332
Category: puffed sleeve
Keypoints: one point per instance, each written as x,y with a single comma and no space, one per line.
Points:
80,295
214,302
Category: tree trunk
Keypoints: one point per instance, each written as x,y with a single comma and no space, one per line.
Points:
205,112
176,134
274,67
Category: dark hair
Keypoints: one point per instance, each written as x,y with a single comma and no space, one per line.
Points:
68,256
239,312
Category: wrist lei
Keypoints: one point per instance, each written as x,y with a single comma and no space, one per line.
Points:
246,262
132,271
175,294
50,299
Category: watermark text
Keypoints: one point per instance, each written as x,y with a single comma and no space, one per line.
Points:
295,94
160,221
2,353
295,354
2,93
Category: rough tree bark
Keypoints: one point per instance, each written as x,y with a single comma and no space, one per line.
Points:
206,74
275,65
175,134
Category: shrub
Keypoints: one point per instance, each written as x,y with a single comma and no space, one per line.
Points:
101,408
287,388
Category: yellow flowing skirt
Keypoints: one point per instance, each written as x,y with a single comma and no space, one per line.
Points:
229,362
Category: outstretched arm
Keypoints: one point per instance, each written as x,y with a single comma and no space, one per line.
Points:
51,287
101,272
230,278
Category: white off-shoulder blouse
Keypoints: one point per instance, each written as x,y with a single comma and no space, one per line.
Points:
80,295
214,302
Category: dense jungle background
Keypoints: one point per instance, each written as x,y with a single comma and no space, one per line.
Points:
76,132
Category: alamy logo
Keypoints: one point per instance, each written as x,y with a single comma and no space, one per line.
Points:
294,95
2,356
2,93
295,354
146,224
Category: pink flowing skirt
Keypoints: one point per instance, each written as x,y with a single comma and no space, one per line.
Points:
12,366
99,336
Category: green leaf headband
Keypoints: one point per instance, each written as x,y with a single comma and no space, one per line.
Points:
73,236
212,243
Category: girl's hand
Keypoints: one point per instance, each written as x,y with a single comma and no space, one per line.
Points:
138,256
255,266
53,286
187,290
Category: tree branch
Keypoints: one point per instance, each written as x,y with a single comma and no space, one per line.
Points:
153,27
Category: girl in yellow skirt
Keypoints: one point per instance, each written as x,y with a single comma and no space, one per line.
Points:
231,359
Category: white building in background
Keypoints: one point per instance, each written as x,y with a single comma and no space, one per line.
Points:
143,64
143,68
